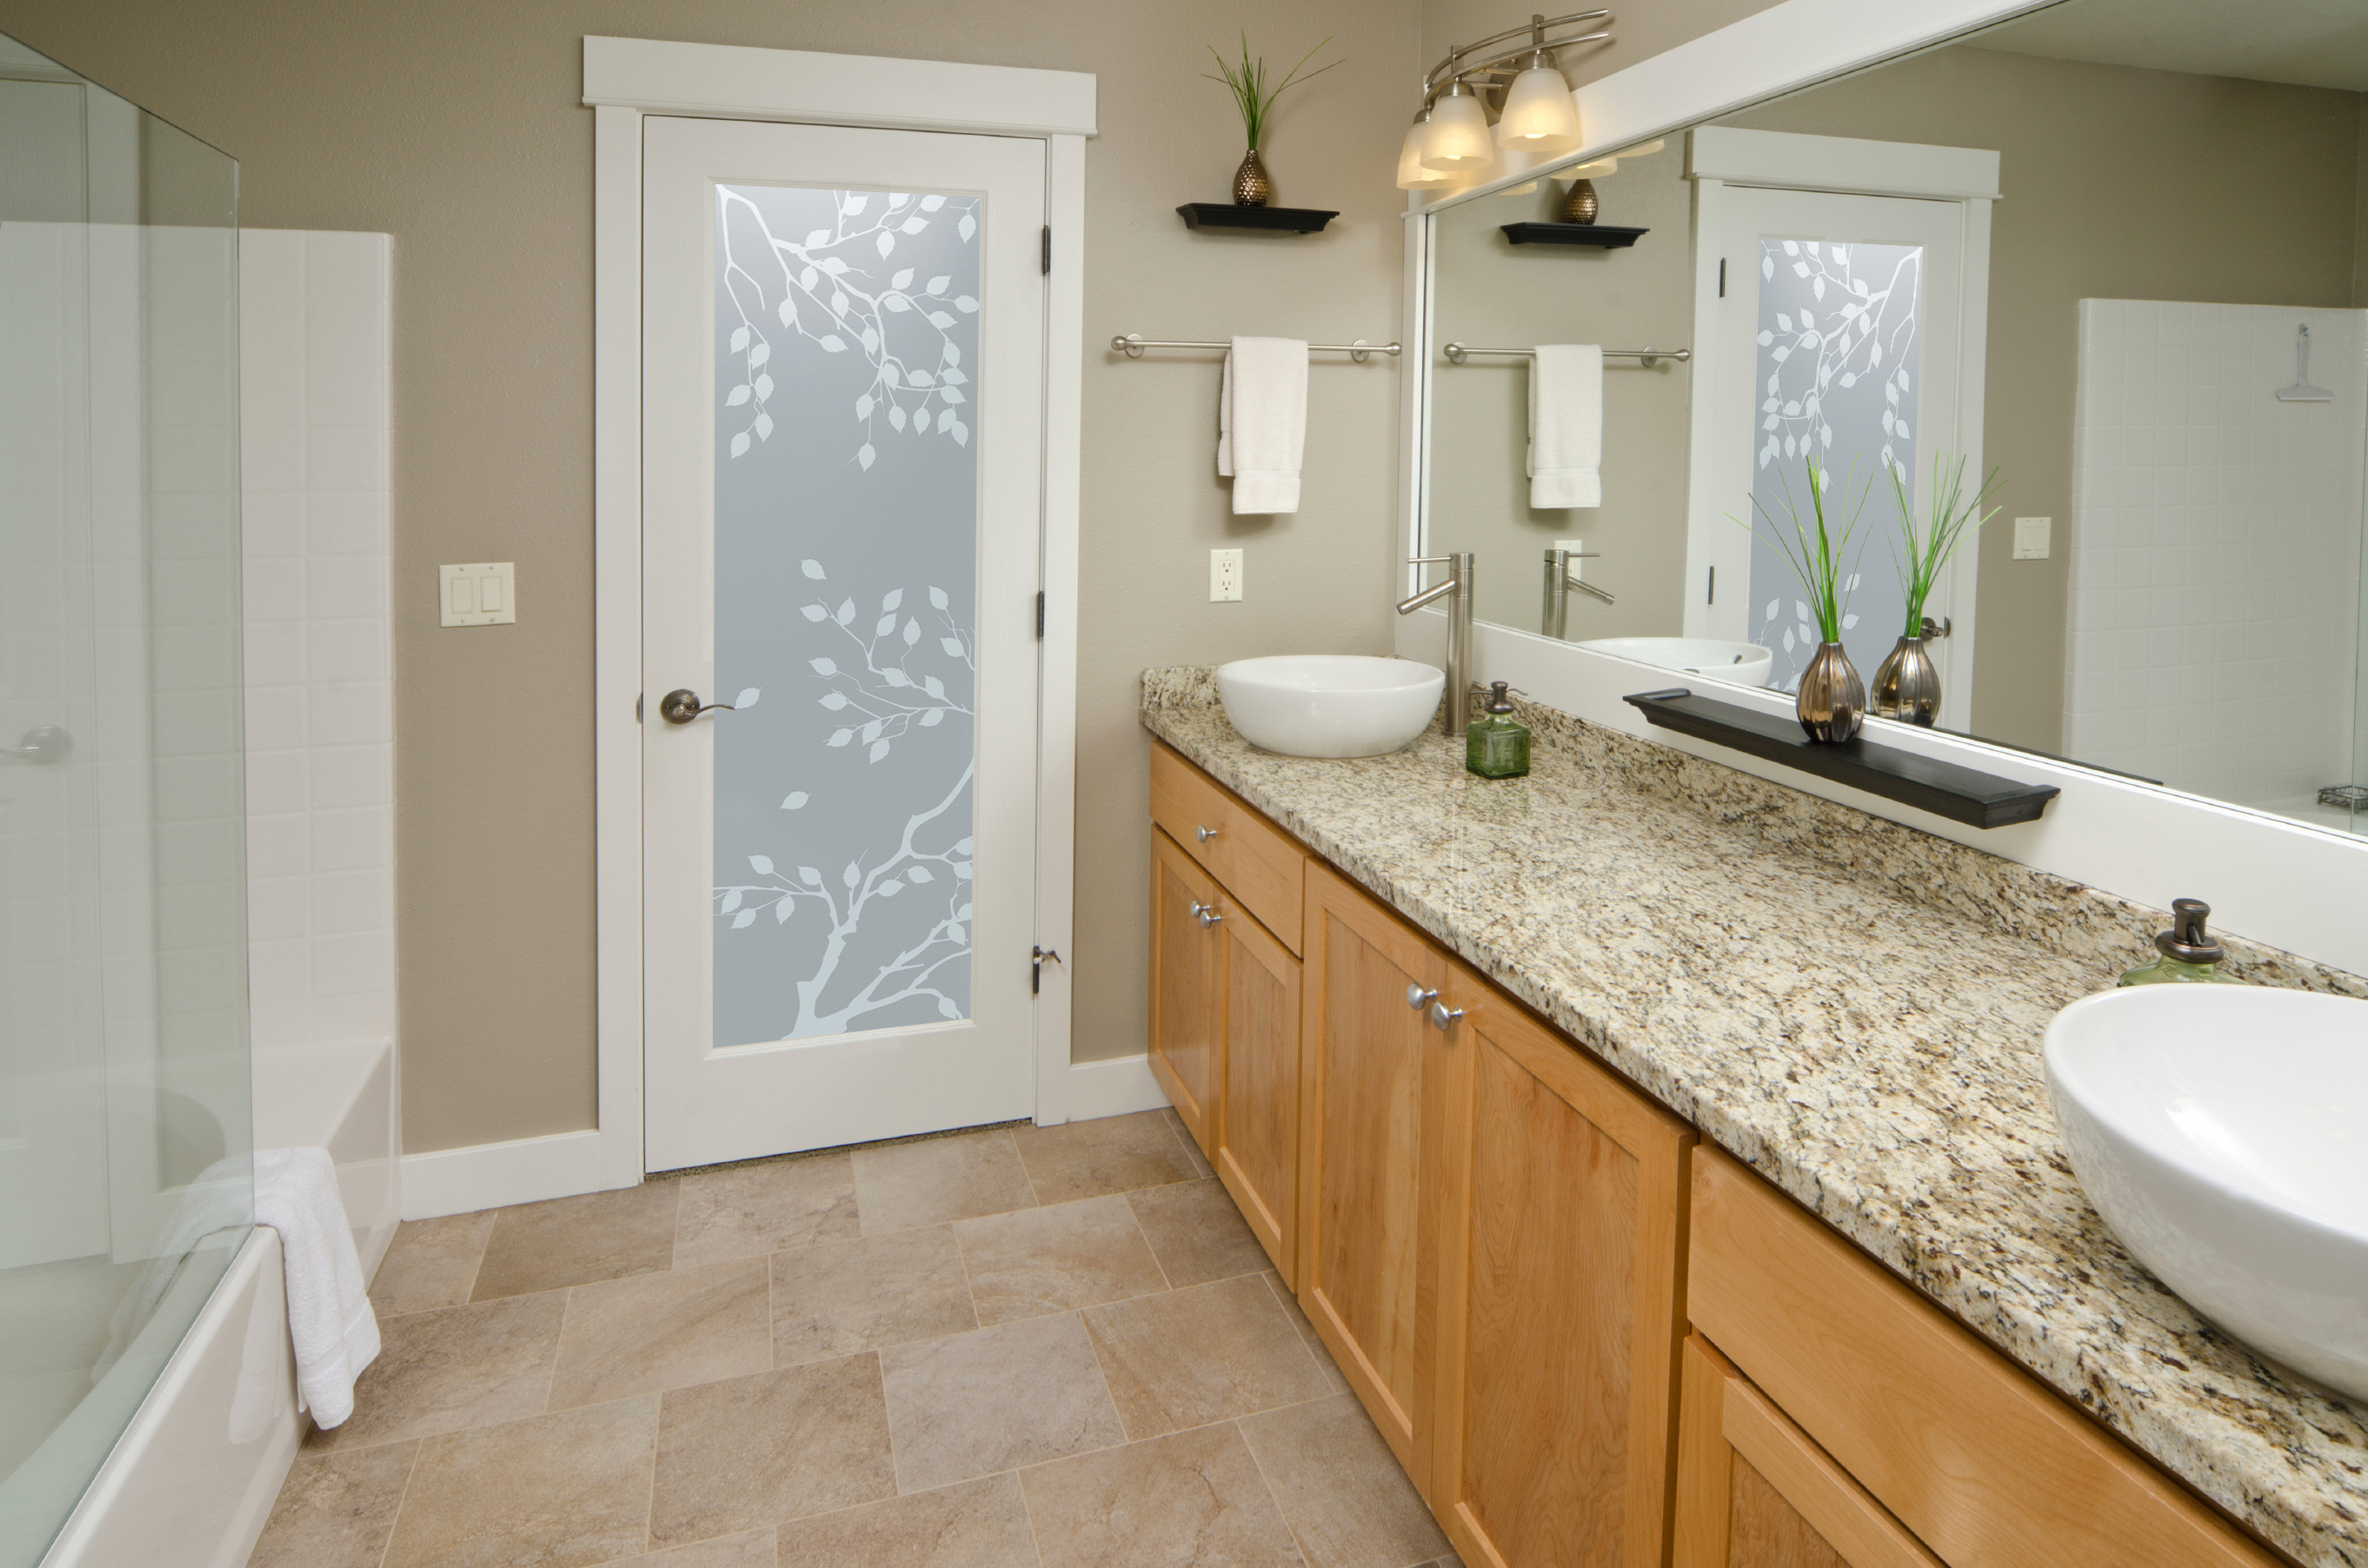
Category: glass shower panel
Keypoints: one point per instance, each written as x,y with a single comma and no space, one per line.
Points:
1837,372
125,1135
846,348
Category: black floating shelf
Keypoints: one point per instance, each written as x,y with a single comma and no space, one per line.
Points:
1603,235
1980,800
1274,220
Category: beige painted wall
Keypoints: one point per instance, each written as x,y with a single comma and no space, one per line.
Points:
456,128
2119,183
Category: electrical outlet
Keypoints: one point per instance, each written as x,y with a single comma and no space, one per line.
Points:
1577,567
2031,537
1225,576
485,594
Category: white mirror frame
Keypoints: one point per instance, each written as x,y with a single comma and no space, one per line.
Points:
2271,879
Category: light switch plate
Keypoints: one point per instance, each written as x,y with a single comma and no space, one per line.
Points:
1225,576
2031,537
483,593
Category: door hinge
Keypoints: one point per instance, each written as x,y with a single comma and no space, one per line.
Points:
1048,249
1036,963
1040,615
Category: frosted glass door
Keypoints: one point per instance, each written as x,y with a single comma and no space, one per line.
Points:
843,373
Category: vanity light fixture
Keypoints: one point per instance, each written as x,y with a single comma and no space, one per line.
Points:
1456,141
1539,114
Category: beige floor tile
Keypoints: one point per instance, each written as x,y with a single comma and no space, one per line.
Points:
1315,1344
1057,1259
1200,1162
778,1446
655,1331
1345,1498
980,1524
899,1186
1188,1358
456,1367
749,1549
431,1262
994,1400
555,1492
1195,1499
1197,1233
336,1510
750,1210
1111,1153
844,1297
575,1240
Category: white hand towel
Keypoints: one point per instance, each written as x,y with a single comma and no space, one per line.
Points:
329,1318
1262,422
1566,425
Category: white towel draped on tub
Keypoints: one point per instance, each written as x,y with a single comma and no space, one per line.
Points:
1262,422
1566,425
329,1316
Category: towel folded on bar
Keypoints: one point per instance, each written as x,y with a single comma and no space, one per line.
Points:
1262,422
1566,425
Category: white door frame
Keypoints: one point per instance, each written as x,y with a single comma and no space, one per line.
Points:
623,80
1720,159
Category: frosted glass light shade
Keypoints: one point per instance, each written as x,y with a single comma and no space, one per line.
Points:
1539,113
1599,169
1456,140
1412,176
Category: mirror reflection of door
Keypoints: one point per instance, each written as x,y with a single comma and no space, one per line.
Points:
1836,329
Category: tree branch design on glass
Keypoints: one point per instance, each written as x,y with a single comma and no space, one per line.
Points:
893,700
821,295
1838,342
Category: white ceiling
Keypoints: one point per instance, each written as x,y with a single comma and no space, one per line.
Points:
2312,43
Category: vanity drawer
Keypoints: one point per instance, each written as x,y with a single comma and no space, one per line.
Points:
1983,1463
1259,864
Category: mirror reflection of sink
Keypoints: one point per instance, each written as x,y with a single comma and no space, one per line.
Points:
1329,704
2220,1131
1745,664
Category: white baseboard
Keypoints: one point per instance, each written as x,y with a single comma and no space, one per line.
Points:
1116,1087
490,1176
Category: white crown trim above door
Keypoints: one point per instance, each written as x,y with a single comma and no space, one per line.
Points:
623,80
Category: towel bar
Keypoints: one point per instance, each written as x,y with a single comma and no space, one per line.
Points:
1456,352
1132,345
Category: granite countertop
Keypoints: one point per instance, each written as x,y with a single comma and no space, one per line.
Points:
1854,1009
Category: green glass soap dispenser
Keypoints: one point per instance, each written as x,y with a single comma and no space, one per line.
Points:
1497,745
2190,956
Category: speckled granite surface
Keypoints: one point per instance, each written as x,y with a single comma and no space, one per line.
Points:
1852,1007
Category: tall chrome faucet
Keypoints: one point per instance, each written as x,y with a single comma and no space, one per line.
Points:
1456,588
1561,578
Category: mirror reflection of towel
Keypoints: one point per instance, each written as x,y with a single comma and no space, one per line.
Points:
1262,422
1565,426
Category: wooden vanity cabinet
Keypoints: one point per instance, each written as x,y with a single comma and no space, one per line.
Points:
1188,988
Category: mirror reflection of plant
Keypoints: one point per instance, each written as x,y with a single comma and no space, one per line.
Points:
1953,518
1247,82
1815,558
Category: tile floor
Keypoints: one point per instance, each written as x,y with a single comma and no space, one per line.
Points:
1025,1347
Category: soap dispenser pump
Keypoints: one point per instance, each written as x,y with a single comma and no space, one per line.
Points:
2189,955
1497,745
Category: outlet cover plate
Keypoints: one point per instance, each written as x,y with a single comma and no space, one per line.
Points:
483,593
1225,576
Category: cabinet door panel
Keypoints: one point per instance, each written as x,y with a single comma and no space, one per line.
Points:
1188,988
1557,1322
1361,1146
1754,1492
1257,1127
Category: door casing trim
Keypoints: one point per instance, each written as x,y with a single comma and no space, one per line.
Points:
625,79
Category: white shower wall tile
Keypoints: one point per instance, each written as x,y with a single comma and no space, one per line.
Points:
316,349
2216,587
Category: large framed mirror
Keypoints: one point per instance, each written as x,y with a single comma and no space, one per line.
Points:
2114,251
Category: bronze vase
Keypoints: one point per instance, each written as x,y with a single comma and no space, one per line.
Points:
1908,684
1581,205
1832,703
1251,187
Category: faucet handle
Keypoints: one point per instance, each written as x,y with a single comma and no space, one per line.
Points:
1430,561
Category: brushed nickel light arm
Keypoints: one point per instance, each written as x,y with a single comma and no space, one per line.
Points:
1456,64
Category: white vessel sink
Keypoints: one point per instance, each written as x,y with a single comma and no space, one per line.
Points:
1329,704
2219,1131
1744,663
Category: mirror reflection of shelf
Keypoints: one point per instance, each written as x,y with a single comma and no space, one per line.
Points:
1603,236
